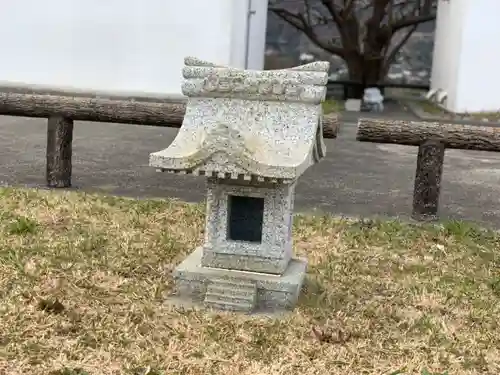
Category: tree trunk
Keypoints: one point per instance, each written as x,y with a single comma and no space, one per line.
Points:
365,73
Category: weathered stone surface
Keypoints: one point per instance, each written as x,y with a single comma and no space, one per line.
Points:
273,252
273,293
231,294
252,134
353,105
266,121
305,84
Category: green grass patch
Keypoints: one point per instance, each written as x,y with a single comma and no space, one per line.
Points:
331,106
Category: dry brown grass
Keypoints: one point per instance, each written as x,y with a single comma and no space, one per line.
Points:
83,277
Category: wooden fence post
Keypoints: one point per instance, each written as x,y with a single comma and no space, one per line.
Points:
428,180
59,151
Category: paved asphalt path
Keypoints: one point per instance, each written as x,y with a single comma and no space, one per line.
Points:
355,179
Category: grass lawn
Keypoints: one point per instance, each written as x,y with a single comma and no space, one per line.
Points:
434,109
331,106
431,108
83,277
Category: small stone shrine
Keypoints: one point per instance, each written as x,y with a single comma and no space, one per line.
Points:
252,134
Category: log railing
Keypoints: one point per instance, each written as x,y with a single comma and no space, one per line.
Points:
62,110
432,138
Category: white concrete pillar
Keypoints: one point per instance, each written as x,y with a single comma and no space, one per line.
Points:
249,23
257,34
466,54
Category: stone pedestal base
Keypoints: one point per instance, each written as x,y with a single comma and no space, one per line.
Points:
353,105
238,290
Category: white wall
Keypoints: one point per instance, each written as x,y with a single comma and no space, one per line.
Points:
257,34
120,45
478,80
249,18
466,54
447,47
239,24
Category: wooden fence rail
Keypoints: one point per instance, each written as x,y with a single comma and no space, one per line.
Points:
62,110
432,138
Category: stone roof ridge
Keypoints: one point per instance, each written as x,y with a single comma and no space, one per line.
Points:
270,134
305,83
316,66
194,61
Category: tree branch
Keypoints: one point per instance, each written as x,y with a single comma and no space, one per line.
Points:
420,13
330,6
346,21
365,46
417,20
300,23
390,57
349,6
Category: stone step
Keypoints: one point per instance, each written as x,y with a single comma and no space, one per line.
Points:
231,291
232,282
232,298
228,306
231,294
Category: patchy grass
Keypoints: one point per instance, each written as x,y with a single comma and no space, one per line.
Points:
331,106
433,109
484,116
83,277
400,92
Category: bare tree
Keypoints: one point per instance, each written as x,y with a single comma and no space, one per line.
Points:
367,34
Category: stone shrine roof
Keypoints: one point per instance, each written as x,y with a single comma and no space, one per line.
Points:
250,124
